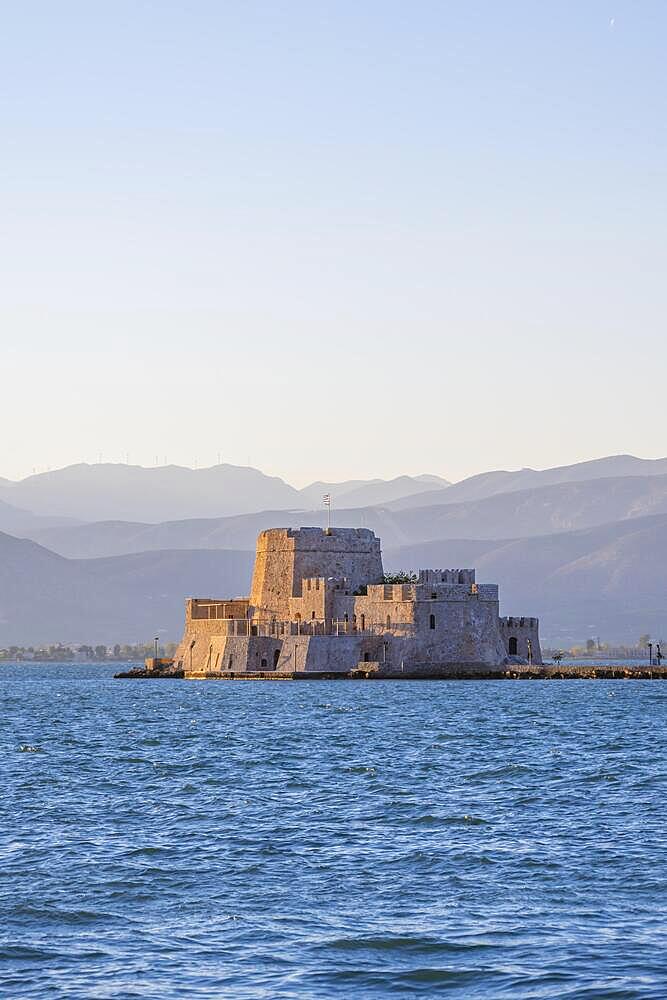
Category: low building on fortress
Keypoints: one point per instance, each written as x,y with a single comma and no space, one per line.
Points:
319,604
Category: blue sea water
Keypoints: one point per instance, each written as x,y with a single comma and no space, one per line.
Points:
333,839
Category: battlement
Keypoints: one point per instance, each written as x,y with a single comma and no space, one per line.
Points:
318,540
518,623
451,576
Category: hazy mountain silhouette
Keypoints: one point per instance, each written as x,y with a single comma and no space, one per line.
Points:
488,484
367,493
563,507
131,492
167,493
16,521
46,598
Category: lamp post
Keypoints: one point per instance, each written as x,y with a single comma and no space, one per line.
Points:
156,640
650,653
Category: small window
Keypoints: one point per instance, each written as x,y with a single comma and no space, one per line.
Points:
313,615
434,596
388,621
431,621
513,645
263,663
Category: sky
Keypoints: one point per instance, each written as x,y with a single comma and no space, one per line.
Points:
332,239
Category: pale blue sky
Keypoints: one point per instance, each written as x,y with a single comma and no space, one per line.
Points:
334,239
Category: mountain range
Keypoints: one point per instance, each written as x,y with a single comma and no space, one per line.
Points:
540,511
582,546
47,598
133,493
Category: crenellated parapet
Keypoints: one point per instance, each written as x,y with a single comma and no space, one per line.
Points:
451,576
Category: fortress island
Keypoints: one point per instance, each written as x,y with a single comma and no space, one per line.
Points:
321,606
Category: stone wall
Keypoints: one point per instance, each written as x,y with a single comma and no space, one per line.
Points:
286,556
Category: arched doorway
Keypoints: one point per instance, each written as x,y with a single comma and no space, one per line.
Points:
513,645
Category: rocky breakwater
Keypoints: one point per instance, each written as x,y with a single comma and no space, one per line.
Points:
158,669
154,669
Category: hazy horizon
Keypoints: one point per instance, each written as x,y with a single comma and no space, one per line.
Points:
301,484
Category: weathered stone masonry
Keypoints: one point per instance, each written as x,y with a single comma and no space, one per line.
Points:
319,603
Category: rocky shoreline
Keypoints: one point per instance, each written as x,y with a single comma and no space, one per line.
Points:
599,671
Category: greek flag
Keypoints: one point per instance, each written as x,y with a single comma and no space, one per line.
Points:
326,499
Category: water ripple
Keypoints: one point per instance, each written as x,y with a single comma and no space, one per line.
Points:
330,840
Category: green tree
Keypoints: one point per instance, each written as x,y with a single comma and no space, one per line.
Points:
402,576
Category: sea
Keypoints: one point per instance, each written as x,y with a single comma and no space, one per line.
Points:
337,839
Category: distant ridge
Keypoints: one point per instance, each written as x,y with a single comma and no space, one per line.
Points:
538,511
488,484
108,491
18,522
118,492
46,598
131,492
365,493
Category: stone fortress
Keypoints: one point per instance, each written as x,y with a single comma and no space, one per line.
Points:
320,606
